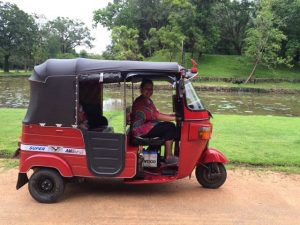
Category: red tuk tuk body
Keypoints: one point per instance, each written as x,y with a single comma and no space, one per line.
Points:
57,149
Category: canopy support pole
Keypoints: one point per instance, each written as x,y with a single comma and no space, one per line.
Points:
76,101
124,107
132,94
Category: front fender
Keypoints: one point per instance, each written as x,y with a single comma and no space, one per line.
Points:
213,155
47,160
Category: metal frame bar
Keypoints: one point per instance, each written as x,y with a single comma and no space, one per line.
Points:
76,100
124,107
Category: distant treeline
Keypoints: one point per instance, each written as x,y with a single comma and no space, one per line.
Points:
27,40
266,31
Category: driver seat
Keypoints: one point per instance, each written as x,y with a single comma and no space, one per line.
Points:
156,141
142,141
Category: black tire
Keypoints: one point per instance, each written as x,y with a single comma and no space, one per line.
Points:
211,175
46,185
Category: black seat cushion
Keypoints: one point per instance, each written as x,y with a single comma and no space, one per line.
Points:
156,141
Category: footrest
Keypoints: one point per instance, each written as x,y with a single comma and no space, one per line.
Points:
168,172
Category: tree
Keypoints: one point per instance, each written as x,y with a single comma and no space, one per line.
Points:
152,41
183,19
83,54
263,41
288,11
17,33
108,53
136,14
42,49
118,13
233,19
124,43
148,16
69,34
168,39
206,24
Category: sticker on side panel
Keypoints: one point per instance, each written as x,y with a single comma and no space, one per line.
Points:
35,148
54,149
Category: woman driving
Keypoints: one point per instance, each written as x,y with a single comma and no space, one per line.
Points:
145,121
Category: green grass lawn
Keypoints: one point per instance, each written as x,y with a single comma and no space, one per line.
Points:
10,130
232,66
248,140
258,140
15,72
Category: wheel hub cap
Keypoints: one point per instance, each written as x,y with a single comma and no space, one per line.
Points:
46,185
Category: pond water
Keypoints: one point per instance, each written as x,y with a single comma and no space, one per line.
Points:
15,93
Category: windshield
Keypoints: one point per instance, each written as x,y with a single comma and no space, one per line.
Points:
192,100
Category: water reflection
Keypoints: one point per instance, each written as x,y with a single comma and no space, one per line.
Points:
14,93
252,103
223,103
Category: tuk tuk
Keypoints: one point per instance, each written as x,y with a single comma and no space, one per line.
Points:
58,149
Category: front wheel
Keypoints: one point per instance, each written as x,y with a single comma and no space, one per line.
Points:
46,185
211,175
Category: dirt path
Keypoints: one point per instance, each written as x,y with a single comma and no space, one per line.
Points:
247,197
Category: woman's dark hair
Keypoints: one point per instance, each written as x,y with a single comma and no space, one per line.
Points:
144,82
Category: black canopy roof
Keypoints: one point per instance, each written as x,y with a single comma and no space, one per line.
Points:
53,84
67,67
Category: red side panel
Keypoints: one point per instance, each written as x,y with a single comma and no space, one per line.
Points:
68,137
68,164
191,148
130,161
130,166
47,160
54,136
195,115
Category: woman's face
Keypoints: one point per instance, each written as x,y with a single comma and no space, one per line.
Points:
147,90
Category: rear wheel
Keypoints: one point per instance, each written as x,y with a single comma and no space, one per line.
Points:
211,175
46,185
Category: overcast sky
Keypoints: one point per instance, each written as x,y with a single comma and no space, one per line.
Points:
82,10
